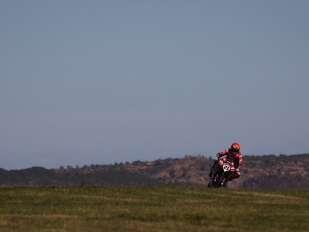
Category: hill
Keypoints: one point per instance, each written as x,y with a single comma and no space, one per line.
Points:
268,171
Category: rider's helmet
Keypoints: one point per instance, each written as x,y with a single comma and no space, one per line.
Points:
235,147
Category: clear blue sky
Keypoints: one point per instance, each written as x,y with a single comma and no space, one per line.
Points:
98,82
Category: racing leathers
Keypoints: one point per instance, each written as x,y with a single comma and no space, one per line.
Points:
233,157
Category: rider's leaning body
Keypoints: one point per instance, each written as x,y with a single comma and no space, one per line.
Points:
233,155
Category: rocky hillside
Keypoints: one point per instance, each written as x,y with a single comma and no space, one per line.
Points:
267,171
275,172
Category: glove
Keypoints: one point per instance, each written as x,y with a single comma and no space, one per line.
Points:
216,159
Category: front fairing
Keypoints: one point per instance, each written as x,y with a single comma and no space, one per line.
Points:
225,164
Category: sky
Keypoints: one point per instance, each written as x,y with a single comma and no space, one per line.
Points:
99,82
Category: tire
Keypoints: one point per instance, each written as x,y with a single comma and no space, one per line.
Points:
220,180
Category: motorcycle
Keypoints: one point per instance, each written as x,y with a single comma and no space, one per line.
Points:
221,172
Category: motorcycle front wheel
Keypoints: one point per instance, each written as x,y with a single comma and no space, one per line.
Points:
221,180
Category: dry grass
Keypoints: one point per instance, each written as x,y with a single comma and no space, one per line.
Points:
147,208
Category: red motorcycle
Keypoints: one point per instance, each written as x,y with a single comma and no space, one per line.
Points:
221,172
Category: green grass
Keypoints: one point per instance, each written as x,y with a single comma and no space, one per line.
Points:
146,208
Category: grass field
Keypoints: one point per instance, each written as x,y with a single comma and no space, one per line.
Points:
147,208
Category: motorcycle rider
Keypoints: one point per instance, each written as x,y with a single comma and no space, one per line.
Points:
233,155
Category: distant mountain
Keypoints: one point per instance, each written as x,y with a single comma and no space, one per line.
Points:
268,171
42,176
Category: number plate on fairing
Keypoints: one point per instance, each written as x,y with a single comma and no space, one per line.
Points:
226,167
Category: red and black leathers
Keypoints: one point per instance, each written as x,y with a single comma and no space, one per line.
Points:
233,157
